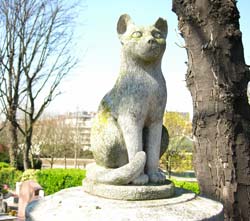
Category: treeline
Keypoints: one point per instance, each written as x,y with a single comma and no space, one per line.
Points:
53,137
66,137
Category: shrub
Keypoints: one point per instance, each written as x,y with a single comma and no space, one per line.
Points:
177,160
4,157
4,165
10,176
37,163
192,186
53,180
86,154
29,174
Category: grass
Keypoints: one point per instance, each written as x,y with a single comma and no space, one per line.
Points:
192,186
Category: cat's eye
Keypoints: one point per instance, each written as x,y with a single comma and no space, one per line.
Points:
136,34
157,34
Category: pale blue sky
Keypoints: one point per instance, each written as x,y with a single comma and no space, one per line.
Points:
99,53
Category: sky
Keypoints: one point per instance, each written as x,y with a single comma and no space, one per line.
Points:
98,49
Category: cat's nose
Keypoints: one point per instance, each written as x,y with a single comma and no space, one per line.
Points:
151,41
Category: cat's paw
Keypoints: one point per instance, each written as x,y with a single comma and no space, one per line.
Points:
157,177
141,180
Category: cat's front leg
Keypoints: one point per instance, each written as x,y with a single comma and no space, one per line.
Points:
132,134
152,147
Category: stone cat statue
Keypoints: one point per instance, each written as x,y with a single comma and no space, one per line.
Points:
127,137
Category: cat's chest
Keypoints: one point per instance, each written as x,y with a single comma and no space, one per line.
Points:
145,87
156,89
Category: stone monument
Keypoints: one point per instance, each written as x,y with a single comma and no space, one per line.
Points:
127,140
128,137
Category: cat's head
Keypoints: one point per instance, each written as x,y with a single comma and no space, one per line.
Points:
147,43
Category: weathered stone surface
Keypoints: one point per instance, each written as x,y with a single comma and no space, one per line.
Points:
122,175
129,117
130,192
75,204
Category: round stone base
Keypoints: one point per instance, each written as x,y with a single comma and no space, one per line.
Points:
75,204
130,192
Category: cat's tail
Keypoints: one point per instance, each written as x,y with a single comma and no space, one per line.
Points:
118,176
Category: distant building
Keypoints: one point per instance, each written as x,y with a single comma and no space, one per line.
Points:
81,123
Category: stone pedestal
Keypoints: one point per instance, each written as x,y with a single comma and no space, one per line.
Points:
130,192
75,204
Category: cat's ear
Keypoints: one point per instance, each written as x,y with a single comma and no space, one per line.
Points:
162,25
123,23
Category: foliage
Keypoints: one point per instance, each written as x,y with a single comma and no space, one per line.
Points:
37,163
53,180
178,155
4,165
86,154
178,161
4,157
178,124
29,174
10,176
192,186
4,152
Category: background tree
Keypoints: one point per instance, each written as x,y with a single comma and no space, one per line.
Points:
217,78
10,78
179,129
4,155
35,39
55,138
45,137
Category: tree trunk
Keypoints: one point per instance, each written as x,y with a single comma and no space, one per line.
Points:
75,156
51,162
28,143
32,161
217,78
65,161
13,145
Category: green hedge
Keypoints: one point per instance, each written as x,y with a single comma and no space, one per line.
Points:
192,186
53,180
10,176
4,165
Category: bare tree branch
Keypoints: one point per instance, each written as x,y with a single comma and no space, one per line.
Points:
35,41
